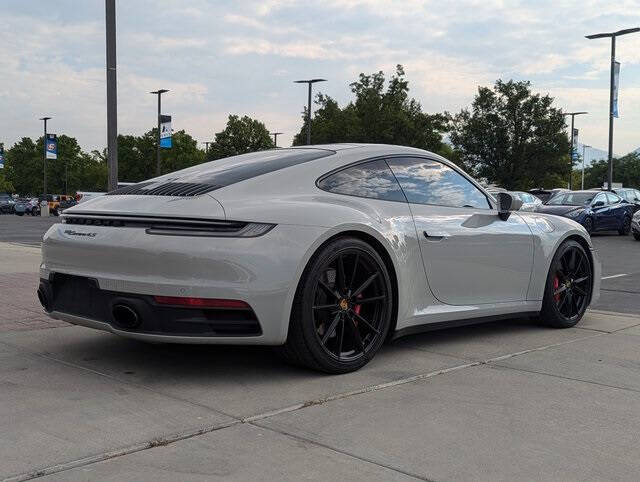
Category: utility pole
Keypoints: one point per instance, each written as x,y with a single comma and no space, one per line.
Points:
112,95
584,146
159,93
310,82
44,156
613,36
275,138
573,115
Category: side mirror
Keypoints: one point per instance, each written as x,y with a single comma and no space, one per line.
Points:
598,204
507,203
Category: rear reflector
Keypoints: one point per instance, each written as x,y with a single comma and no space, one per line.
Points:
201,302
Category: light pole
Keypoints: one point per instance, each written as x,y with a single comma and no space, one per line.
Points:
310,82
112,97
275,137
573,116
206,146
159,93
44,156
613,36
584,146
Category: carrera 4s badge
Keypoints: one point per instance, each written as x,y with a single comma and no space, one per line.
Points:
71,232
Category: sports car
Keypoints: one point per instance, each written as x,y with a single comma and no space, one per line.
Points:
596,211
324,251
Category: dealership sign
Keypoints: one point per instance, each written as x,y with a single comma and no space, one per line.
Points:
1,157
165,131
52,146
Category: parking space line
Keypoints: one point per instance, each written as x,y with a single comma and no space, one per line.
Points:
614,276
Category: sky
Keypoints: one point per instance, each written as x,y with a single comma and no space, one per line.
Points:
241,57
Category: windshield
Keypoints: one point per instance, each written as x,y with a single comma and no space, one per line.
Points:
571,199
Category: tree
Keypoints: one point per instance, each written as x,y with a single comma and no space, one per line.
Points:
626,170
24,166
137,155
377,115
240,136
512,137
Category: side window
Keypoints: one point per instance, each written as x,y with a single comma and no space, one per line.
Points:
425,181
371,179
613,198
600,197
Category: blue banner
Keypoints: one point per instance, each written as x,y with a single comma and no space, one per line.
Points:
165,131
616,85
1,157
52,146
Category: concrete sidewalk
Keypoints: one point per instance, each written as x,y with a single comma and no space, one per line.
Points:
499,401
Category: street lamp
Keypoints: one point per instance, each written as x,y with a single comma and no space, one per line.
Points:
584,146
573,116
159,93
613,36
44,156
310,82
275,137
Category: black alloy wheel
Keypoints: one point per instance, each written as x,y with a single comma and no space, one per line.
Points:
343,308
626,227
569,286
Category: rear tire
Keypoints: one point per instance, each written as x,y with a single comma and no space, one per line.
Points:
342,310
636,236
626,227
568,288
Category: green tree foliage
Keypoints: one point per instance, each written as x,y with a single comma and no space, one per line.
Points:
378,115
512,137
626,170
25,171
137,155
240,136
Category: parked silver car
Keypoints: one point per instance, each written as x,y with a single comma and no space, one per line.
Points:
326,251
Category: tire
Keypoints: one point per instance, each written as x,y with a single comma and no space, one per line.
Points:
588,225
636,236
337,334
34,211
19,214
568,287
626,227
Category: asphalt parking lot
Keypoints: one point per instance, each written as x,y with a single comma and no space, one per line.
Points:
500,401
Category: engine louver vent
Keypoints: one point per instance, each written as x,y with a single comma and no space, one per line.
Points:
166,189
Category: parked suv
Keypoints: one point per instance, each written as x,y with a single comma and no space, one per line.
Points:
6,203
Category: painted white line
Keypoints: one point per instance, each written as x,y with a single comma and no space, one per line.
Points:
615,276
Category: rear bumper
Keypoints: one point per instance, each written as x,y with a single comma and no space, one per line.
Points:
127,265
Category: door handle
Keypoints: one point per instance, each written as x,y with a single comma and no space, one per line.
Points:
435,237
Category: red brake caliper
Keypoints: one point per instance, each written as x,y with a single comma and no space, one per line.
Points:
556,285
356,310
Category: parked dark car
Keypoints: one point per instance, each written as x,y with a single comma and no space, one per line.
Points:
66,204
6,203
545,194
596,211
632,196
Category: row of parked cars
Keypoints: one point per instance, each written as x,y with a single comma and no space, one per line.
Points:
31,205
597,210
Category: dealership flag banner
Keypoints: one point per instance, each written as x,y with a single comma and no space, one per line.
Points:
575,144
1,157
165,131
616,83
52,146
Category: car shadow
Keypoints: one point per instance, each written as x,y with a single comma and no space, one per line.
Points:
147,362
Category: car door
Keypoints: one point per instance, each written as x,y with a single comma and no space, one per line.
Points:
470,255
601,217
617,210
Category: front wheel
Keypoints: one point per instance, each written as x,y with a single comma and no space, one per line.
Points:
588,225
342,310
568,287
626,227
